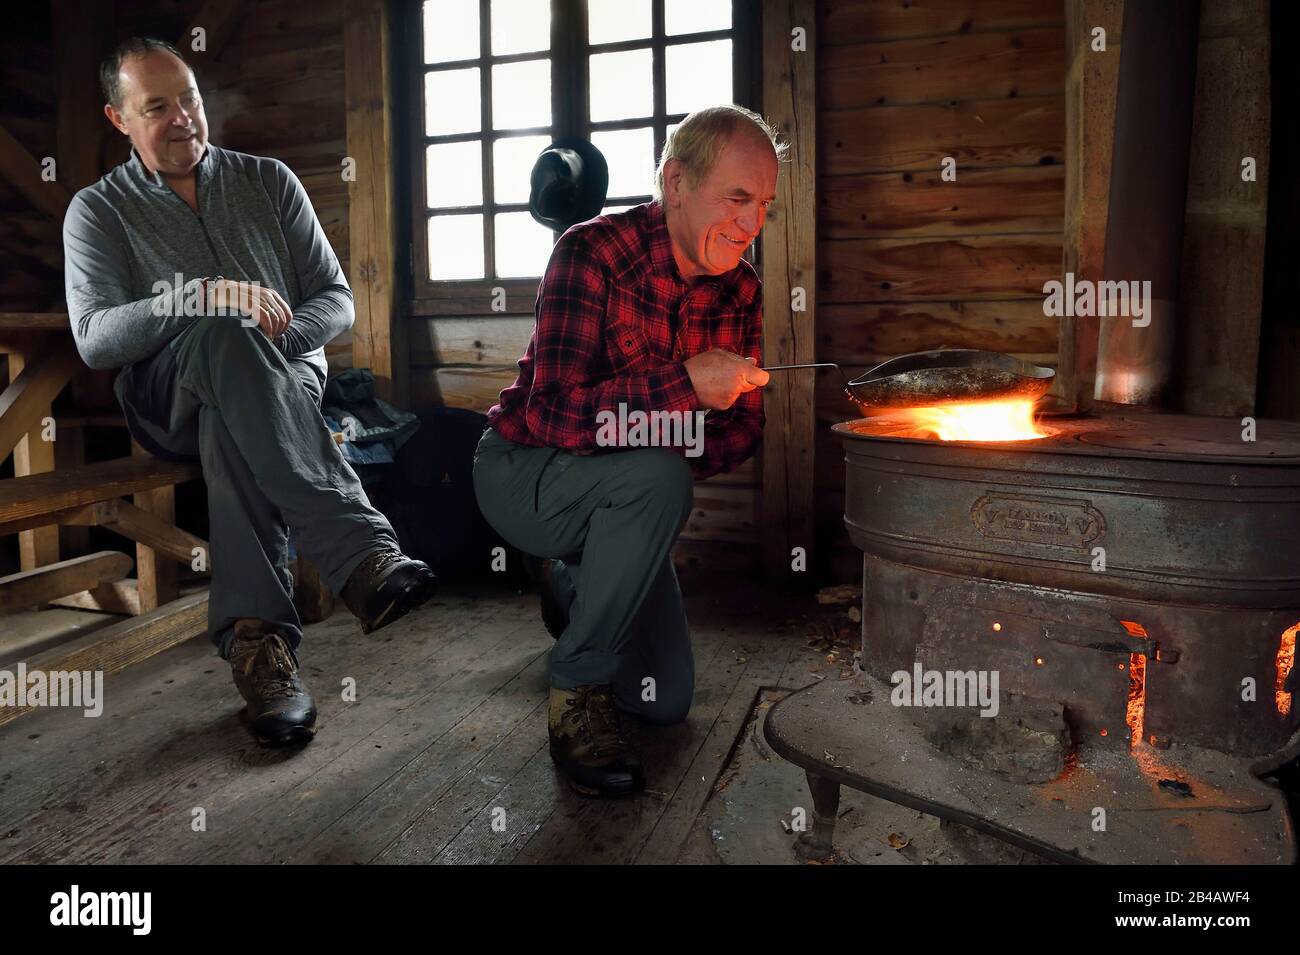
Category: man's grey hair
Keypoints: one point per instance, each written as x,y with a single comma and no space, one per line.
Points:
699,140
110,71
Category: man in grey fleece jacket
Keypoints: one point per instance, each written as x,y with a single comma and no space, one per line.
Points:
205,276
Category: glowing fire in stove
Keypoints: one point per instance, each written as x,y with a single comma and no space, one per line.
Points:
975,421
1136,711
1285,661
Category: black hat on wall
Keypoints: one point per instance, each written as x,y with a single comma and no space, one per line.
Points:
569,182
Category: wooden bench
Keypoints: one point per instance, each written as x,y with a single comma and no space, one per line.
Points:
92,495
42,359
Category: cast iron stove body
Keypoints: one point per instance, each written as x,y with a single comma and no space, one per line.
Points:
1134,581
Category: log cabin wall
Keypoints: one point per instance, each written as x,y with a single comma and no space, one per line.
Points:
907,261
30,240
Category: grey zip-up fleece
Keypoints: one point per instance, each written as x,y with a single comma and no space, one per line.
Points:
130,230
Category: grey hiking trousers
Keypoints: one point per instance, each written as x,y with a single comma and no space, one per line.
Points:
224,393
611,520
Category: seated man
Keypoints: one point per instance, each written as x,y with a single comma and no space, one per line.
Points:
648,310
230,370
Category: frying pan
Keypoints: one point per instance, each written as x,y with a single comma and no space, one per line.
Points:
941,377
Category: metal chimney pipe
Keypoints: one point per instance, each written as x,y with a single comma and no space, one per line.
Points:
1148,194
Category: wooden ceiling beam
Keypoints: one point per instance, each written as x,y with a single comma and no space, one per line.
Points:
23,171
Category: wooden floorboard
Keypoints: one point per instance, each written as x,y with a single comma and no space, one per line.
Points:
613,830
442,758
466,779
361,771
139,808
276,799
524,804
57,763
765,662
373,750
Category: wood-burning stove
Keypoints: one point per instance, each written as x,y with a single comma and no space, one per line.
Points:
1133,579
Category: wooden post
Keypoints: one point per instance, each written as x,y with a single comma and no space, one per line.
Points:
1221,291
156,574
70,452
312,597
80,127
789,265
32,455
24,410
1091,81
376,336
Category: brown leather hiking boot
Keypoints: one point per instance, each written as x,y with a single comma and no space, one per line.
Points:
589,745
387,585
280,707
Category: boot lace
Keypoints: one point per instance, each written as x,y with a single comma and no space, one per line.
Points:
276,675
599,723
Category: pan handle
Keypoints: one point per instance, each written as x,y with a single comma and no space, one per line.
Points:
817,364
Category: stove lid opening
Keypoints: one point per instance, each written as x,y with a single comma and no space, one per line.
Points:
969,421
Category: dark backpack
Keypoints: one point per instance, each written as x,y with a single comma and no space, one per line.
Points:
431,499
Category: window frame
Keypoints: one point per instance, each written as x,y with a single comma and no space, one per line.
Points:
570,118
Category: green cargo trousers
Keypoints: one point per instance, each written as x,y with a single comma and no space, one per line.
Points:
610,519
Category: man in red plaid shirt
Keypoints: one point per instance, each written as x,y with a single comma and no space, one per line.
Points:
642,375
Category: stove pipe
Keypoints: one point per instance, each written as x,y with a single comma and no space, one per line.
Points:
1148,192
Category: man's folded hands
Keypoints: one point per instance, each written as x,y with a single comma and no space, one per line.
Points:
265,305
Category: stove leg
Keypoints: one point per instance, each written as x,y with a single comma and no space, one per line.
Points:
817,845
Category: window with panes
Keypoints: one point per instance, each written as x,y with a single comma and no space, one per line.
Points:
499,80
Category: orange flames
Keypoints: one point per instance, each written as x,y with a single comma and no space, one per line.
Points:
1135,713
974,421
1285,660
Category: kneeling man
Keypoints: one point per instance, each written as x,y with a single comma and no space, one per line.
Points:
654,313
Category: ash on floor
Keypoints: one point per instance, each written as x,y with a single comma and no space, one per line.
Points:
760,800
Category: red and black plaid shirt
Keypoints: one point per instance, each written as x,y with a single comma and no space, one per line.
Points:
615,322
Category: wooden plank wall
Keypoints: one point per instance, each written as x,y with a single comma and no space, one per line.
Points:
907,261
1223,235
31,244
